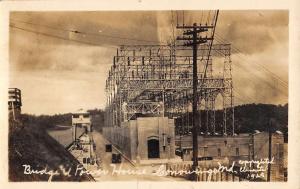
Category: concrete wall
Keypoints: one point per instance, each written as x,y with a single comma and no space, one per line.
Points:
217,146
160,127
261,151
81,119
248,146
132,137
120,137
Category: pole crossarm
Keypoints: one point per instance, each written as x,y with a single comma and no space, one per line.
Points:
195,26
144,50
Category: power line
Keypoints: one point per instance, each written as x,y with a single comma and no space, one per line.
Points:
172,25
250,80
42,25
62,38
201,16
267,82
84,33
253,81
243,66
267,70
96,44
283,83
208,17
125,38
241,96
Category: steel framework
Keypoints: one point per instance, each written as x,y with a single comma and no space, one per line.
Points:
156,80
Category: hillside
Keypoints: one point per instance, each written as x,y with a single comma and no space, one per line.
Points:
31,145
257,116
48,122
249,117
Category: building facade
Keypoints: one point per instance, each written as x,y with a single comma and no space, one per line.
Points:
81,119
240,147
143,139
83,147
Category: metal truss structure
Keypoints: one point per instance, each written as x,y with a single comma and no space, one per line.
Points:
156,80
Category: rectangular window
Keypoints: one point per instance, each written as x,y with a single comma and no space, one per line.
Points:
75,116
86,116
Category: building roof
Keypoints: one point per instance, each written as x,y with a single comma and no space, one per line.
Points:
81,111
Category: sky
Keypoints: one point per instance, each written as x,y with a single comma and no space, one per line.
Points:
60,71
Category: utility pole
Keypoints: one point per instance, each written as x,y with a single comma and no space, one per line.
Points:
194,40
270,151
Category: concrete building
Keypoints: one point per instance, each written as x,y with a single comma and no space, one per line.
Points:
81,119
278,151
14,103
240,147
83,147
146,139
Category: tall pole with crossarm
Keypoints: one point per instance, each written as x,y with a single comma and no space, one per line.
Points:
193,39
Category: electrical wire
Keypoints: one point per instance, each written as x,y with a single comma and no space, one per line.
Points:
82,32
235,49
208,17
257,75
172,25
62,38
250,80
219,38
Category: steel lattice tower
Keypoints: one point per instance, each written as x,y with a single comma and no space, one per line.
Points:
157,80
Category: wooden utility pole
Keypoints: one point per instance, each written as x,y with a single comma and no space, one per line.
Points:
192,39
270,151
195,101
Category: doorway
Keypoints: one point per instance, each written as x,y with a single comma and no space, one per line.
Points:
153,148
